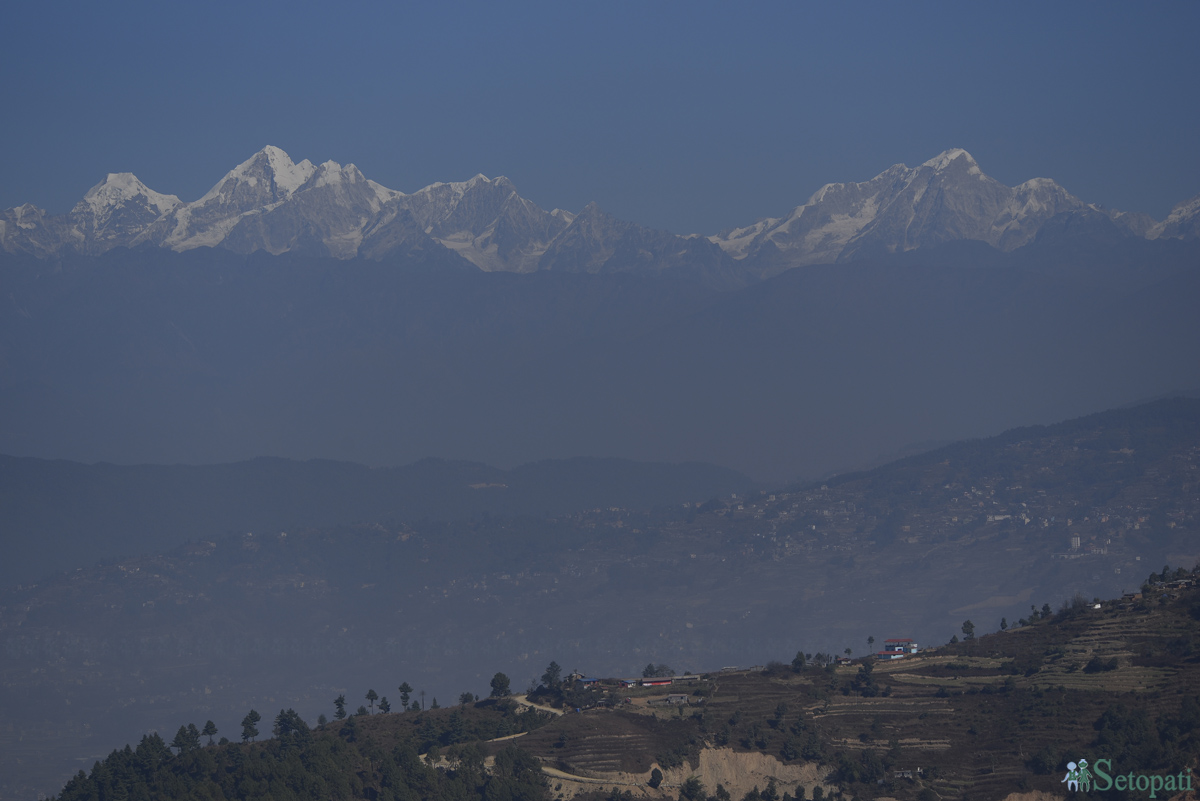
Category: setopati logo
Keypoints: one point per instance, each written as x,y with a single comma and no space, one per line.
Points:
1100,778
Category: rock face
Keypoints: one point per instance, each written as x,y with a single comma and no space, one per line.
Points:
270,203
948,198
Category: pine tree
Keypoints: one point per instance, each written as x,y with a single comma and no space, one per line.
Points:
291,727
339,703
181,740
250,725
552,676
405,694
372,697
193,737
209,731
384,706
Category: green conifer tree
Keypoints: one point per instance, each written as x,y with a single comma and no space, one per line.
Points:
181,740
250,725
339,704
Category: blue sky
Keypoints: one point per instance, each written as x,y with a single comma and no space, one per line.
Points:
687,116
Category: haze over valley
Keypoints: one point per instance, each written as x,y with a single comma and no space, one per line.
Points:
244,324
599,402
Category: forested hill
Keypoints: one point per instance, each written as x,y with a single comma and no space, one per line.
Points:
368,757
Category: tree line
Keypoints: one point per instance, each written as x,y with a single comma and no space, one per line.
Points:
334,760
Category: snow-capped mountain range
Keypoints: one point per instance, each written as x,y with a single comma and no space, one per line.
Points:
945,199
273,204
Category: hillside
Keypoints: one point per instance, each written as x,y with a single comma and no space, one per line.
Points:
982,719
293,617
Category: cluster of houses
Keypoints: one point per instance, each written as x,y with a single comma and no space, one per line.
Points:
1173,589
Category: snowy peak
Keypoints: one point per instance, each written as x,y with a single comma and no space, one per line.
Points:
119,189
268,176
289,176
946,198
461,207
486,221
115,211
946,159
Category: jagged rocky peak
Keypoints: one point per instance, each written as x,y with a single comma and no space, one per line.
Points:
330,172
347,187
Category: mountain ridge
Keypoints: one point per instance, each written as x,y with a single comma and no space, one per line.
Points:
271,203
947,198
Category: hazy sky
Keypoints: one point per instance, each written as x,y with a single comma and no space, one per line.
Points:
687,116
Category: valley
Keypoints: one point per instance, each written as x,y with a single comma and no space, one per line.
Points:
289,618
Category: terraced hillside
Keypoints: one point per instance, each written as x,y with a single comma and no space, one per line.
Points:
978,719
